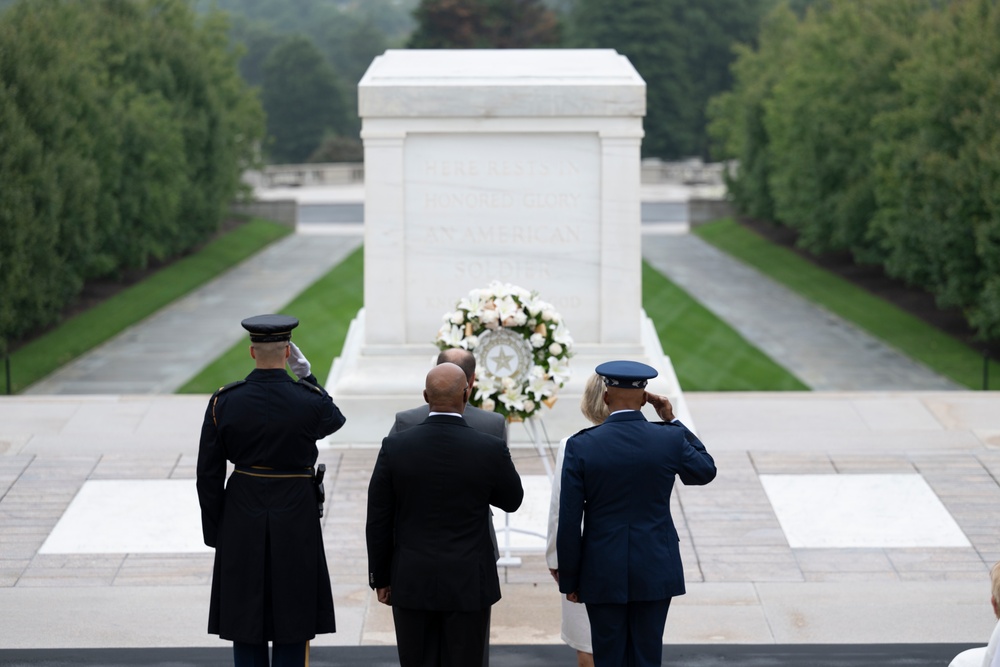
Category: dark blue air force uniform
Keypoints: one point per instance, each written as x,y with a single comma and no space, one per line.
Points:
625,566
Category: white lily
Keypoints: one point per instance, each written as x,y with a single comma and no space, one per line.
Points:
485,387
451,335
559,370
507,307
541,386
561,335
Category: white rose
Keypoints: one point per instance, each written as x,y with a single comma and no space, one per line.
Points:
537,340
471,342
520,318
457,317
547,315
490,316
555,349
488,404
529,405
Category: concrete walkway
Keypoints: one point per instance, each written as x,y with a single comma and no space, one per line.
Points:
164,351
821,349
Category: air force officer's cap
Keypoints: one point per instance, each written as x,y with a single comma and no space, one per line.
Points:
626,374
270,328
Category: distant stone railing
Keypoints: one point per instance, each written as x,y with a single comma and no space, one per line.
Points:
654,170
687,172
300,175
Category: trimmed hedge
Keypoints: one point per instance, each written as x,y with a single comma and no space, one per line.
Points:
125,126
871,126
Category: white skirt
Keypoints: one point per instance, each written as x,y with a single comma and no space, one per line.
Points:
576,626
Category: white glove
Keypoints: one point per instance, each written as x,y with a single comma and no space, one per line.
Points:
298,362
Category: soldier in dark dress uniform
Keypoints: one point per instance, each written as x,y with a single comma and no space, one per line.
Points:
270,582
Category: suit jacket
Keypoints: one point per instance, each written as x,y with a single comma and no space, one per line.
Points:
429,493
483,421
479,419
617,478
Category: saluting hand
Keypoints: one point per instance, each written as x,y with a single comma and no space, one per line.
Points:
662,406
298,362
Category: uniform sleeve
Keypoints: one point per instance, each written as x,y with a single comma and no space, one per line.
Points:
331,418
211,474
507,491
568,537
697,466
380,525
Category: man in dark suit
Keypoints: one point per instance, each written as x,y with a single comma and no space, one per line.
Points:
270,581
429,551
481,420
617,478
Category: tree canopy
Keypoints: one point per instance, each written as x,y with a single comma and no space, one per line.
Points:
125,127
484,24
683,50
871,126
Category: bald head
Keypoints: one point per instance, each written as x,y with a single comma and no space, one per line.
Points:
461,358
446,388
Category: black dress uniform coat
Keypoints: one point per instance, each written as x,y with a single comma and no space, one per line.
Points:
270,581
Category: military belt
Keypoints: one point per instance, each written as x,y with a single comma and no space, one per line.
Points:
272,473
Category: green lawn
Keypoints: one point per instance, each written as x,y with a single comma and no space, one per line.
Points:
707,354
96,325
325,310
912,336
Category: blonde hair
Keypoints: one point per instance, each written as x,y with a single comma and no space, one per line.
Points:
592,403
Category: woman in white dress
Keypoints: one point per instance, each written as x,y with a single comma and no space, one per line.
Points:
990,655
575,624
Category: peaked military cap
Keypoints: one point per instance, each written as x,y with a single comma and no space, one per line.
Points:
626,374
270,328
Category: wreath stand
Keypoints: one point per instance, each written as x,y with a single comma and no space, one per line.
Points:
544,448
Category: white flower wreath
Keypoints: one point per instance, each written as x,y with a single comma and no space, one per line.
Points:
521,345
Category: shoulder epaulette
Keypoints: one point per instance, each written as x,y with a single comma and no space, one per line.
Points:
310,386
584,430
228,387
221,390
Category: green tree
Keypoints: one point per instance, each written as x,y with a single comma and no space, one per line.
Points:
125,131
819,120
302,98
938,159
50,99
681,48
736,117
484,24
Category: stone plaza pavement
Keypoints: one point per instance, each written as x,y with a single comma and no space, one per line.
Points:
865,513
902,558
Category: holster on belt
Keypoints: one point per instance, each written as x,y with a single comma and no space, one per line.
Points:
318,485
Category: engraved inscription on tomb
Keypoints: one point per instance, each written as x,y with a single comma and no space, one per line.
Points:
520,209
